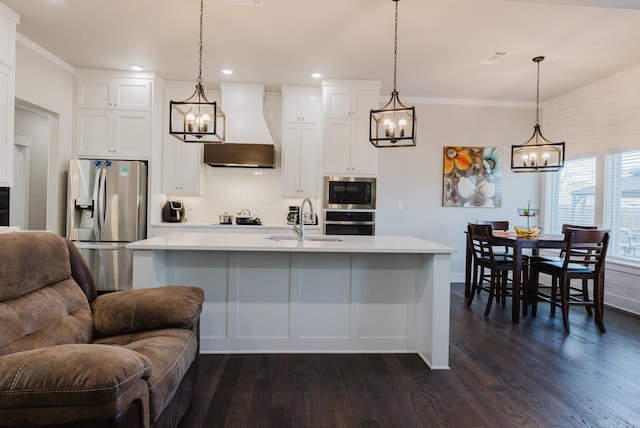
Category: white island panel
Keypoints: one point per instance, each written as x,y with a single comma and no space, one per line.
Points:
387,296
324,303
263,295
209,270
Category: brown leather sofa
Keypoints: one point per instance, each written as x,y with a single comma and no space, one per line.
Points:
69,358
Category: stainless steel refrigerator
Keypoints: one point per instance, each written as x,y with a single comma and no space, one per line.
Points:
107,208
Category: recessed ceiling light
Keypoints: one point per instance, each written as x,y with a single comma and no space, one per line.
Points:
244,2
494,57
136,67
316,75
227,71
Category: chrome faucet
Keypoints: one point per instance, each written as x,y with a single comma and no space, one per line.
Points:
299,229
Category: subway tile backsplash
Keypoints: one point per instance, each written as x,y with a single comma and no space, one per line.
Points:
230,190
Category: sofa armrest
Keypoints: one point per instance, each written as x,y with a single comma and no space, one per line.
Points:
133,311
69,375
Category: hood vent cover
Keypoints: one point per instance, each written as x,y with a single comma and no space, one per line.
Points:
240,155
248,140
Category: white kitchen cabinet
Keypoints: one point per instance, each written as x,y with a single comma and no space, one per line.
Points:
301,104
301,140
8,21
114,93
113,134
182,166
113,117
300,161
346,149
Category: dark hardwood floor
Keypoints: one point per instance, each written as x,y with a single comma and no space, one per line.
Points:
502,375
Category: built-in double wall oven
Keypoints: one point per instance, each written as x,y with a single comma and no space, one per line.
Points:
349,205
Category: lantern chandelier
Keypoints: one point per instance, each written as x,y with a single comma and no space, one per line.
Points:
394,125
196,119
538,154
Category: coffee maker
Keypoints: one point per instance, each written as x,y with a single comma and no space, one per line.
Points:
292,216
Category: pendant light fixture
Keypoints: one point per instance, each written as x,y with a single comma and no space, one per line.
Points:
538,154
394,125
196,119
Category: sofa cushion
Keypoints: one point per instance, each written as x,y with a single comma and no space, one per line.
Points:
132,311
171,352
53,315
30,261
90,375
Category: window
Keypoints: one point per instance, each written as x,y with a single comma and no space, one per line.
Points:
622,203
570,195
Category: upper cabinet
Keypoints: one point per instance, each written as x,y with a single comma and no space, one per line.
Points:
8,21
182,166
301,104
346,149
301,139
114,93
113,117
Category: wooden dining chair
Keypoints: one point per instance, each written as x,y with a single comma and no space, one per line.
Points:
565,228
499,251
481,244
549,291
495,224
584,259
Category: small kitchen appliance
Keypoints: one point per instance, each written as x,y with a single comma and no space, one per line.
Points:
225,219
173,211
349,193
244,217
292,215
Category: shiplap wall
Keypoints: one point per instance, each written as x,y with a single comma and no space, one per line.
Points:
597,119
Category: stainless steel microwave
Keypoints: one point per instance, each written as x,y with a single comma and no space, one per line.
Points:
349,193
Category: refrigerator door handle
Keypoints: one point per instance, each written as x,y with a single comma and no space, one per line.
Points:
96,204
101,203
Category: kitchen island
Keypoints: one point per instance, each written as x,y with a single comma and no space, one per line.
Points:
272,293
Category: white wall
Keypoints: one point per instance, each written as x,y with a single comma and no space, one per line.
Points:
594,120
33,124
413,176
47,82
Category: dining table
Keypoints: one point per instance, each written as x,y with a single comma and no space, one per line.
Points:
517,244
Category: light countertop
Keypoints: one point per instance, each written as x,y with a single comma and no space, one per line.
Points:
233,226
284,243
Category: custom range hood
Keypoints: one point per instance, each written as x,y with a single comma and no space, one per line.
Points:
248,140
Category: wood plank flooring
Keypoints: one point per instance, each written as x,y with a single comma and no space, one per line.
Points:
530,374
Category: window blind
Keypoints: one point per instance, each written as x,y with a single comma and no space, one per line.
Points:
570,195
622,203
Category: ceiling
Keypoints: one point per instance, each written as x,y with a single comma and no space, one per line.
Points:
441,43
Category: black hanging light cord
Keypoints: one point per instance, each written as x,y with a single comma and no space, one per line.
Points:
395,50
538,60
200,48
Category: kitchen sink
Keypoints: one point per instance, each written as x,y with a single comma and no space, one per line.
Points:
306,238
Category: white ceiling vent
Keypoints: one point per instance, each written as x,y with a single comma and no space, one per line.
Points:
494,57
244,2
